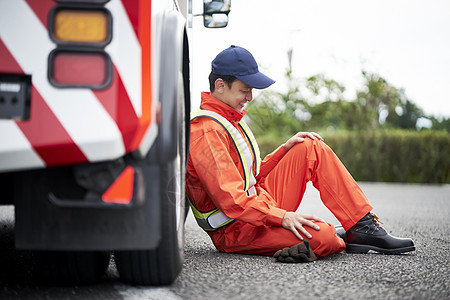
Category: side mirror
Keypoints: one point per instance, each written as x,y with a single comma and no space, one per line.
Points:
215,13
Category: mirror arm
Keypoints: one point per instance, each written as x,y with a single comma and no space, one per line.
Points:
210,14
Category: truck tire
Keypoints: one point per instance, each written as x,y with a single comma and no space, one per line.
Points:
162,265
71,267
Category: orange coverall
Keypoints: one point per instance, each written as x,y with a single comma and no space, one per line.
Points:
215,178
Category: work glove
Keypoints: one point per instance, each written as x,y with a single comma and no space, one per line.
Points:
296,254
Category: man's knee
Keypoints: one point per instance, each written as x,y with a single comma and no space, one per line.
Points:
311,149
325,241
327,230
303,148
310,143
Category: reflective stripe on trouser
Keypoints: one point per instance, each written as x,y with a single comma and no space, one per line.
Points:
216,219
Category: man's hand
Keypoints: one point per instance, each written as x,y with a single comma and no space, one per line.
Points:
294,222
299,137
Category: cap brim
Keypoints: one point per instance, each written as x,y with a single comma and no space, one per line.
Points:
257,80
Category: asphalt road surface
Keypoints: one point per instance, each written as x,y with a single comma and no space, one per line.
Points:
418,211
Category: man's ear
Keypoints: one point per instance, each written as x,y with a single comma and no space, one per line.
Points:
219,85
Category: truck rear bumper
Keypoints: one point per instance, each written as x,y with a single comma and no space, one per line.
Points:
43,224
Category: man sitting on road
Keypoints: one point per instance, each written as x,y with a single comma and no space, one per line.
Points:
249,206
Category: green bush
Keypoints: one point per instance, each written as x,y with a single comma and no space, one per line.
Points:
386,156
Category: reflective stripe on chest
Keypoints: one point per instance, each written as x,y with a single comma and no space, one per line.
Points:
249,166
215,219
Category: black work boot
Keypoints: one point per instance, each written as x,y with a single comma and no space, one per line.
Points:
367,234
340,232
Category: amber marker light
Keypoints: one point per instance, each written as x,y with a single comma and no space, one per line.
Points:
81,26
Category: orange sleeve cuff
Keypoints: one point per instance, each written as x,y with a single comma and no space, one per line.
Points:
278,153
275,216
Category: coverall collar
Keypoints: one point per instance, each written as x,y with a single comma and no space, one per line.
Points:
213,104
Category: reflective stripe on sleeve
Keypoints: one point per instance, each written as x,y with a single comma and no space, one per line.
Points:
210,220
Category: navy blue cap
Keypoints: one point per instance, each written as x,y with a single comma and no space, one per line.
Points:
239,62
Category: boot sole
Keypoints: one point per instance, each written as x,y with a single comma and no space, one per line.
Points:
356,248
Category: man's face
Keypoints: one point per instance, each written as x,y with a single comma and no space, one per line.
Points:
235,96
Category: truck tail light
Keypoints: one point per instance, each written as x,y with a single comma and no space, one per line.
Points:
81,32
80,69
81,26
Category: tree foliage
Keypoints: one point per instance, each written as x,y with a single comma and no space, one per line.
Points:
318,103
394,155
376,134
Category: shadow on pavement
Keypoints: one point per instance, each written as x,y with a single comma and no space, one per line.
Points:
17,266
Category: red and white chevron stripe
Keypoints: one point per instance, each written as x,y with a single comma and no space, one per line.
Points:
76,125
